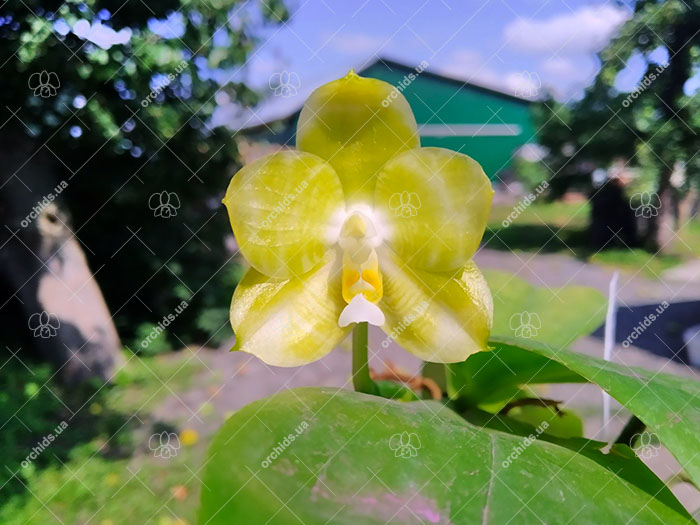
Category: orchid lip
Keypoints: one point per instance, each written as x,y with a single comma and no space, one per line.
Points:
359,235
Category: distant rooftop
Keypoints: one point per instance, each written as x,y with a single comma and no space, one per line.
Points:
286,103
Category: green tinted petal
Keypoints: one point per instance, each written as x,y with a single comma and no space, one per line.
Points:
357,124
288,322
440,317
437,202
280,208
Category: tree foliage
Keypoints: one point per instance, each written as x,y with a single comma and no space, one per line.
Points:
119,98
653,127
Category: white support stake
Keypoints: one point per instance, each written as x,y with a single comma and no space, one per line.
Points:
609,342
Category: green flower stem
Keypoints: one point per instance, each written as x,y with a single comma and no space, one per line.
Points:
360,368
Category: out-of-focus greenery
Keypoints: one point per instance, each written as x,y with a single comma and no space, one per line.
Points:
128,122
99,467
657,113
561,227
653,127
530,173
114,491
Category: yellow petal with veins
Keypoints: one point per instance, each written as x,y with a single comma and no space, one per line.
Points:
289,322
440,317
436,202
280,208
357,124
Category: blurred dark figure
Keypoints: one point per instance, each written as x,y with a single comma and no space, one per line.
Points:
612,220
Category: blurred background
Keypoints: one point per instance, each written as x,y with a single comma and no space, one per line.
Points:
122,123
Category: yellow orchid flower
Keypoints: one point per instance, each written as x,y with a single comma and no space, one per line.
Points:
360,225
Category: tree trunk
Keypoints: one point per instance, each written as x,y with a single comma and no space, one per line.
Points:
612,220
688,206
662,224
45,270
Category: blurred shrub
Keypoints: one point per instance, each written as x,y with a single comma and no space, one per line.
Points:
530,173
151,339
41,424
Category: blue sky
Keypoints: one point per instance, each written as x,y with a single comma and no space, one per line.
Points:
522,47
518,46
498,42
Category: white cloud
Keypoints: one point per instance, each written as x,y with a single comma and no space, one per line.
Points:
559,66
261,67
467,64
525,84
565,45
564,76
470,65
101,35
568,76
586,30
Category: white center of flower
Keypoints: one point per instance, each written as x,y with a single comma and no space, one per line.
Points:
361,280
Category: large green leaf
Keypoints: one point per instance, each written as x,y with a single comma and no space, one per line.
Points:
317,456
488,377
556,316
669,405
562,423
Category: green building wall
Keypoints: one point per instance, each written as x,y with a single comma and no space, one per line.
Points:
441,101
437,100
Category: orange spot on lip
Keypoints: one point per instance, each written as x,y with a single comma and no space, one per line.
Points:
350,277
372,282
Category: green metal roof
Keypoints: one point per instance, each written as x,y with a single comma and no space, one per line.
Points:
484,123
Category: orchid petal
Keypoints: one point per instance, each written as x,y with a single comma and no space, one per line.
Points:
436,202
289,322
280,208
440,317
360,310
